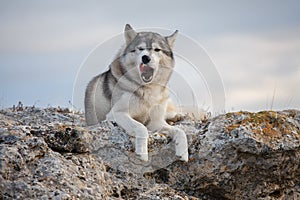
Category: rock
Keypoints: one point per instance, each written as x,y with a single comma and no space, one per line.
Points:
35,163
50,154
242,156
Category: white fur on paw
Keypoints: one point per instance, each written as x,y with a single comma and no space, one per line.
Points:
141,148
143,157
184,156
181,146
182,150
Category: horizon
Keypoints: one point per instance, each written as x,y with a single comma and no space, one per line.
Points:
254,46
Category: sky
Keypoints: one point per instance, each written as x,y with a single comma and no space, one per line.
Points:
253,45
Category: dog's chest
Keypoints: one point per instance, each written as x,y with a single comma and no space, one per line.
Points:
147,100
154,95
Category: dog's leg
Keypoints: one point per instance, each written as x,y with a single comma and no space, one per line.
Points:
120,114
157,123
135,129
179,136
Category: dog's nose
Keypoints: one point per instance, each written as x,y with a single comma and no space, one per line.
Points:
146,59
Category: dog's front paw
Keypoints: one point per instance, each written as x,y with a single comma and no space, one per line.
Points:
143,156
183,156
141,148
181,146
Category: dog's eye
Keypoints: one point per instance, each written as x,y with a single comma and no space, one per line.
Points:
157,49
141,49
132,51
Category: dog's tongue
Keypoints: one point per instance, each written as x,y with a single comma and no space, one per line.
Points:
146,72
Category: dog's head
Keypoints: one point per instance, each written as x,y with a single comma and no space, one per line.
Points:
149,53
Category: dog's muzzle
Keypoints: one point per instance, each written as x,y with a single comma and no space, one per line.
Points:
146,73
145,70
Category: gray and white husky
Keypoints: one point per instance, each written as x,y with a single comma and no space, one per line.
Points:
134,93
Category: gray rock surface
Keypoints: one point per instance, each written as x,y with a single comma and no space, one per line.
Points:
50,154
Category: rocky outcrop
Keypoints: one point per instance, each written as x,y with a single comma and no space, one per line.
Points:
50,154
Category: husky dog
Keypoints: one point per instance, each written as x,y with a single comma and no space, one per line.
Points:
133,92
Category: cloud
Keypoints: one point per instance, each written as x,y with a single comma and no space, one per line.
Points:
255,52
253,66
50,35
52,26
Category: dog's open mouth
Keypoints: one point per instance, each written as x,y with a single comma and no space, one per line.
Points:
146,73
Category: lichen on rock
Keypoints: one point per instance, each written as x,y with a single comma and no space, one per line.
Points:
50,154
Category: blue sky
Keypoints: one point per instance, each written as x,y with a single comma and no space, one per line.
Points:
255,45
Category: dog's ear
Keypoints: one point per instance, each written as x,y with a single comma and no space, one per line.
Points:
129,33
171,39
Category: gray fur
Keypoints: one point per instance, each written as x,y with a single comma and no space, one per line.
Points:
121,95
